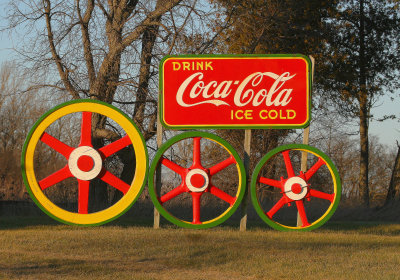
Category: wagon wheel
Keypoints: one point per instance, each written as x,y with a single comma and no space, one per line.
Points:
198,180
313,194
83,163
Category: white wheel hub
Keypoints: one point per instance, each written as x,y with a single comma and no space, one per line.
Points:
76,155
197,180
290,185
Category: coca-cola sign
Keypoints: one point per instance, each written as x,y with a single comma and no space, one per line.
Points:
271,91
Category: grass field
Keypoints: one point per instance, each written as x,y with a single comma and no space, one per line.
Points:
31,249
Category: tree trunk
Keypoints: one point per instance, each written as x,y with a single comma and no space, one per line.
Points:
148,40
98,194
364,116
393,194
364,155
127,155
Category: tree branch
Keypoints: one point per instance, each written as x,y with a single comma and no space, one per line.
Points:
161,9
87,51
62,69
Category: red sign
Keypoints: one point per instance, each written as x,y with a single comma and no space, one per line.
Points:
235,91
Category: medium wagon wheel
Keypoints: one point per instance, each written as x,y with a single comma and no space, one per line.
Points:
83,162
313,194
197,180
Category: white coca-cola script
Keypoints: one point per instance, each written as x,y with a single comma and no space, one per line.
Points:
216,92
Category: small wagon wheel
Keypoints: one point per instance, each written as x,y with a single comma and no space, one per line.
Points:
320,185
196,180
83,162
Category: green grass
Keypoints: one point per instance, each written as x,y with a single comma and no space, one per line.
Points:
41,249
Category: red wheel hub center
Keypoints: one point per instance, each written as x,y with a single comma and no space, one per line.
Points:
197,180
296,188
85,163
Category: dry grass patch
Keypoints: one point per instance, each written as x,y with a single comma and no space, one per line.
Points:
56,251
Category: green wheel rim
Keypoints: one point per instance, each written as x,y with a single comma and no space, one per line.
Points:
334,198
133,136
234,203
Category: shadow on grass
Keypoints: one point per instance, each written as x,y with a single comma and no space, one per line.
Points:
344,221
20,222
371,227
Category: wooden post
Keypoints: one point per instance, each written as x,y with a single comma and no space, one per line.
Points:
306,136
246,159
159,136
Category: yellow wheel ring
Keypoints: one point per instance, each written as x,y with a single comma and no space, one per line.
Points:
113,211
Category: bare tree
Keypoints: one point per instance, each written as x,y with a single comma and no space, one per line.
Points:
393,194
17,115
361,65
331,136
103,50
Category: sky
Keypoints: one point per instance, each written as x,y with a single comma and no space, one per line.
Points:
388,132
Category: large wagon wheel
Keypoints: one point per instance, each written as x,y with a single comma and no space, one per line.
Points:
313,194
197,180
83,162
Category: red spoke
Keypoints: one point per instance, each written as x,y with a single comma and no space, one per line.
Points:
115,182
322,195
196,207
83,196
270,182
314,168
86,129
115,146
56,144
276,207
222,195
173,193
196,151
173,166
222,165
302,213
288,164
55,178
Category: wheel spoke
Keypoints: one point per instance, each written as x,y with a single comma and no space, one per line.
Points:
270,182
276,207
114,181
56,145
314,168
86,129
115,146
222,165
55,178
196,207
173,193
288,164
222,195
83,196
173,166
196,152
322,195
302,213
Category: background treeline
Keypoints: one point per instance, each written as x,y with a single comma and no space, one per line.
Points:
110,51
